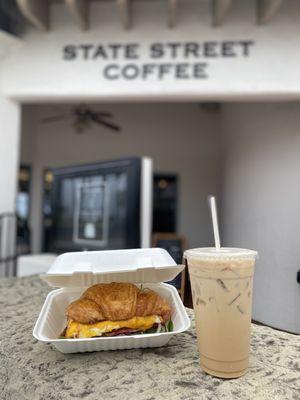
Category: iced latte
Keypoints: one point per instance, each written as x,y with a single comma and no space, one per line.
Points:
221,284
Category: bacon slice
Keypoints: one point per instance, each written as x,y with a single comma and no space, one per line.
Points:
121,331
124,331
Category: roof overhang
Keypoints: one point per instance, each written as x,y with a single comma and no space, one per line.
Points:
37,12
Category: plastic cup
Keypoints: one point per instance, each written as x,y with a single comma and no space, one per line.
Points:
222,283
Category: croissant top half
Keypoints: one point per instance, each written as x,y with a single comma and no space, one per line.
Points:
115,302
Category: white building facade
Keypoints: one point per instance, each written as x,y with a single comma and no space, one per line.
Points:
246,153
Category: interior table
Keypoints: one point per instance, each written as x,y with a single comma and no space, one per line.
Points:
33,370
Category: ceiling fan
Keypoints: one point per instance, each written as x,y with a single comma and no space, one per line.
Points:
83,117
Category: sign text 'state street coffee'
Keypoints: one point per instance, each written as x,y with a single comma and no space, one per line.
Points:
159,60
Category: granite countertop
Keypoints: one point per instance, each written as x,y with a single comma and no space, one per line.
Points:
33,370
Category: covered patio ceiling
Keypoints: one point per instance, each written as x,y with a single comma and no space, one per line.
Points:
37,12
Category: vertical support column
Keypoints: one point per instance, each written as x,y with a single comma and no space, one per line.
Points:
36,11
79,10
260,200
220,9
266,9
10,117
172,13
124,7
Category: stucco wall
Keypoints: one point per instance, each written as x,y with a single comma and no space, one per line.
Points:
260,201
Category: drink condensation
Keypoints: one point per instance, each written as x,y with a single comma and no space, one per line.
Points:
222,284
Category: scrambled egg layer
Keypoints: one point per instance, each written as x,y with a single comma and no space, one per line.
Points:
78,330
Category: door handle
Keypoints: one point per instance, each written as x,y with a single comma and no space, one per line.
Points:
298,276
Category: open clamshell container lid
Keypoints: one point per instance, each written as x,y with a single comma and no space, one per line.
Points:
82,269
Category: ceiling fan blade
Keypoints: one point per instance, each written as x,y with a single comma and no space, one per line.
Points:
109,125
103,114
55,118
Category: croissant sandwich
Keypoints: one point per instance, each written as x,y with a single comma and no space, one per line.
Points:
117,309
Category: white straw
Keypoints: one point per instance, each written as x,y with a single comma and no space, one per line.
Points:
214,217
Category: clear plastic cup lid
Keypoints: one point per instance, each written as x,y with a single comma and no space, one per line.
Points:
223,252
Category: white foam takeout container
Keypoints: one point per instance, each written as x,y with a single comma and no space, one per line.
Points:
74,272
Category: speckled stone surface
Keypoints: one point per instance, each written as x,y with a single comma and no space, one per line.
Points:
33,370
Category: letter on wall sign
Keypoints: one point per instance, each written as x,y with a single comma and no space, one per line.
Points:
111,71
69,52
156,50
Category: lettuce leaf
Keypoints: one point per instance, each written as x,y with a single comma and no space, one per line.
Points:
170,326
